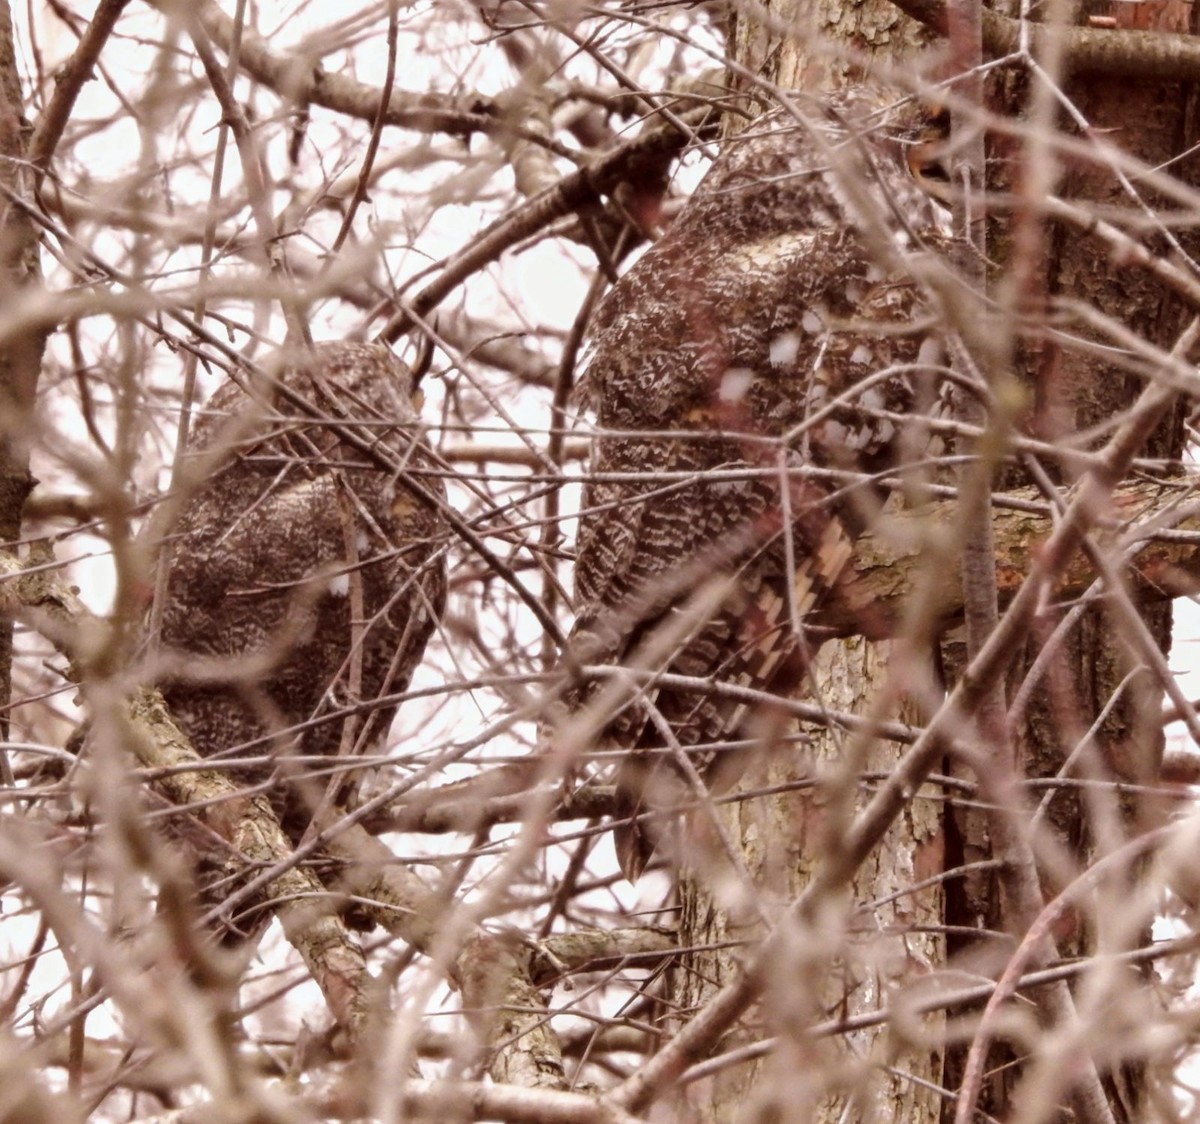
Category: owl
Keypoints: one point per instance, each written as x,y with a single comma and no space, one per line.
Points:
775,329
305,571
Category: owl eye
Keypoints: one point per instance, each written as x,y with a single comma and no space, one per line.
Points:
927,165
939,119
927,155
932,168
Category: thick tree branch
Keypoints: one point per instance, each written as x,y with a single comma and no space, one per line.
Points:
872,593
69,80
495,974
641,159
302,79
1161,56
247,823
20,354
446,1100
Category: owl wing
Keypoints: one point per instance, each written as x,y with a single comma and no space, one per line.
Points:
835,372
644,553
777,325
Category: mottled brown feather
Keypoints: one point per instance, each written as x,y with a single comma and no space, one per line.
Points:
290,524
783,284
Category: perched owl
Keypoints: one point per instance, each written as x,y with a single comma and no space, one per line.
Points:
776,325
306,569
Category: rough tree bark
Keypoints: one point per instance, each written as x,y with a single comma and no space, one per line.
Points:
894,1074
1094,682
20,355
781,836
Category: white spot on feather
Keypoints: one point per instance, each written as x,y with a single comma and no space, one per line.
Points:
930,354
811,322
784,348
769,252
727,488
339,585
734,384
862,354
832,432
873,399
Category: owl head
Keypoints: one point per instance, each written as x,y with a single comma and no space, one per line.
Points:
816,164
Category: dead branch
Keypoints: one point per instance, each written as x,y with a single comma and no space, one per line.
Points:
1161,56
1164,562
304,81
496,973
247,823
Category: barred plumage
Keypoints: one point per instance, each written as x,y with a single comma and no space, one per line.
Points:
719,362
306,574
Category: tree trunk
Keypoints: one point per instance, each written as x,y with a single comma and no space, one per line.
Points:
871,949
1092,681
21,354
870,955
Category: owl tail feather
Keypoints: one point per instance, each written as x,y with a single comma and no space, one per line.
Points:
635,848
637,834
652,822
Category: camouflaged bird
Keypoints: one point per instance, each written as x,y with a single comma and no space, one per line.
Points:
306,569
777,324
